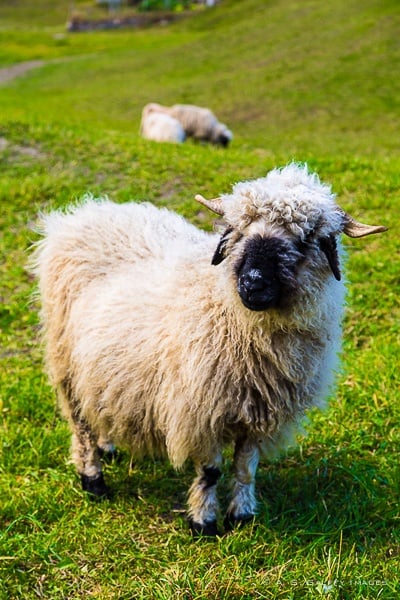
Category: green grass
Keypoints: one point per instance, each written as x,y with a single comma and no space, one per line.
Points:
311,81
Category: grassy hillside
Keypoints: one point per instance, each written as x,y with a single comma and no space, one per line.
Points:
312,81
301,77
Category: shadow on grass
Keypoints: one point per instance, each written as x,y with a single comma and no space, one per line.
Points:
308,497
149,481
334,494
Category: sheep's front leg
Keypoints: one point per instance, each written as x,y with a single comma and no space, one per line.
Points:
203,502
242,507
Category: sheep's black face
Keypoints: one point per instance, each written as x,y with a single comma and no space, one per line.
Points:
223,140
266,274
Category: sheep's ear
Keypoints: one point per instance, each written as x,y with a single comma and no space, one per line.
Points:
215,205
219,253
354,229
329,248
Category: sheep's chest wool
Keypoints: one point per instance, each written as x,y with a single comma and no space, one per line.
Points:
164,339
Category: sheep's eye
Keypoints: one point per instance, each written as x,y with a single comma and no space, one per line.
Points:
310,237
303,245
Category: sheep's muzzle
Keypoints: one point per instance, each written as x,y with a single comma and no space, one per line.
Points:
266,273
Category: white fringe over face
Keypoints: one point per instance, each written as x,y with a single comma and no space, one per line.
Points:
290,198
151,348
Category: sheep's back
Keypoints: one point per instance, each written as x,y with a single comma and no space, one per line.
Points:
98,237
196,120
161,127
90,245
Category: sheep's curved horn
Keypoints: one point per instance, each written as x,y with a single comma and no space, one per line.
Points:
354,229
215,204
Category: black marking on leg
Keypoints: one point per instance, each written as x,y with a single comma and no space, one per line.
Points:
207,529
95,486
210,476
236,522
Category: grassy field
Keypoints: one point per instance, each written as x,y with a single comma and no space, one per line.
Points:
311,81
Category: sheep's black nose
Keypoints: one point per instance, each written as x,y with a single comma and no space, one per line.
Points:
257,292
252,281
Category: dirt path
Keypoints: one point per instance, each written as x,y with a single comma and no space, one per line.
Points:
13,71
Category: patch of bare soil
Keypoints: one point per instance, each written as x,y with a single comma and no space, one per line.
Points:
13,71
20,154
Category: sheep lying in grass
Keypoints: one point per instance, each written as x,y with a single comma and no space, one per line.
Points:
197,122
160,126
201,124
168,340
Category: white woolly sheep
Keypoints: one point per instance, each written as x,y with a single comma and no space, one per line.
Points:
197,122
168,340
201,124
160,126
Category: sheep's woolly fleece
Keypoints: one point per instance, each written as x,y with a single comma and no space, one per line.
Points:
151,345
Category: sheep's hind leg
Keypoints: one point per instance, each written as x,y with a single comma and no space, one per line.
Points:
85,454
242,507
84,447
203,502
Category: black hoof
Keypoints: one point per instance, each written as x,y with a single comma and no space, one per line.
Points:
207,529
237,522
95,487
